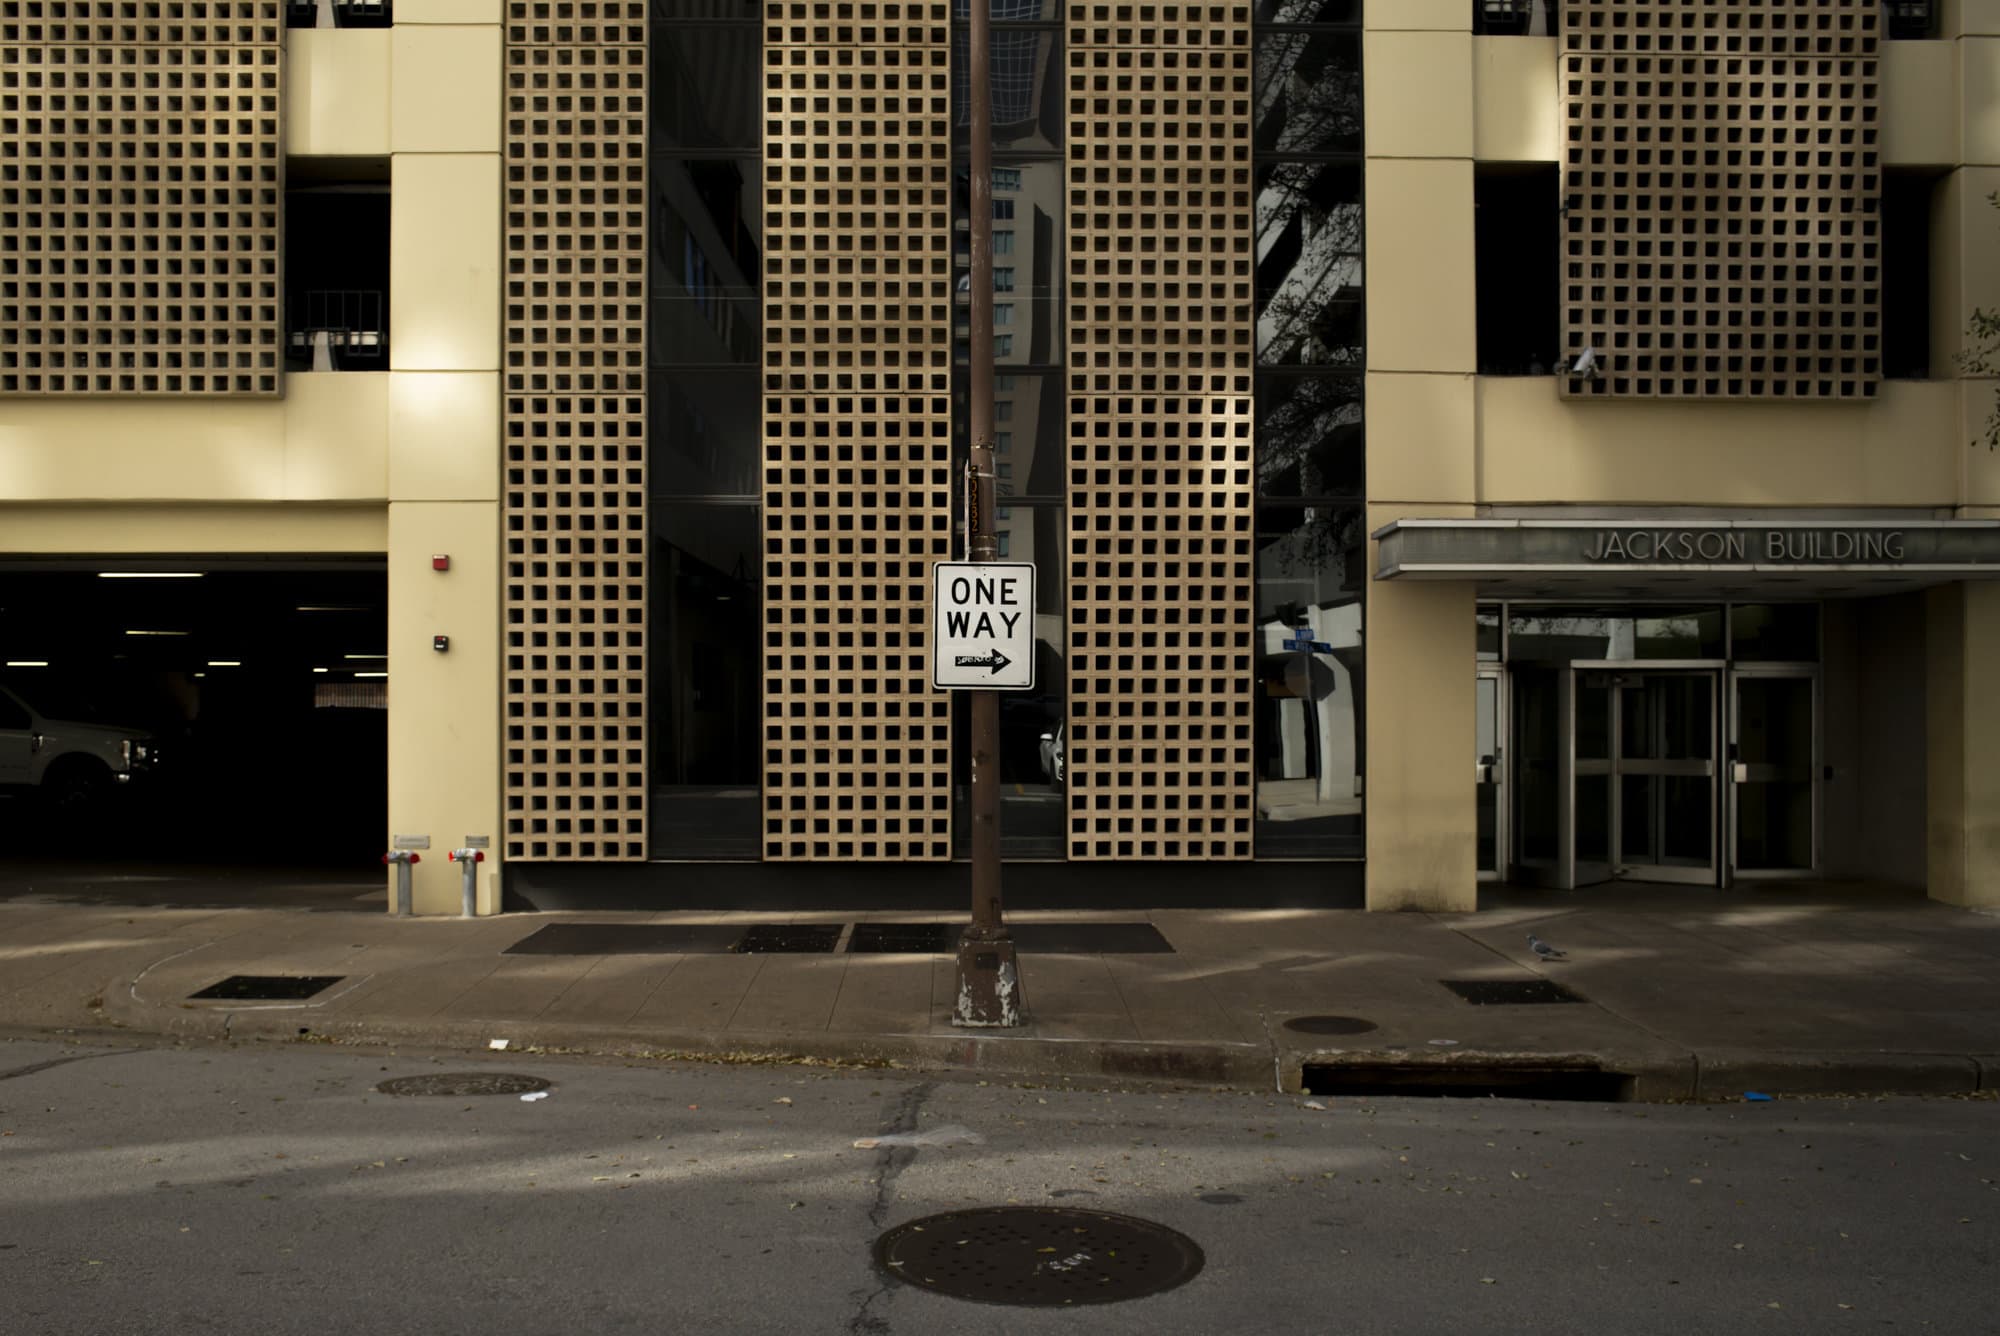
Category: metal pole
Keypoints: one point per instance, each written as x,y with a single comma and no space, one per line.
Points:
989,984
468,861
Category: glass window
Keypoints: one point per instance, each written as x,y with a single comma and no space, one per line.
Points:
706,261
1309,268
1003,209
1027,82
702,692
704,434
1774,632
1003,280
1011,11
1342,12
1003,345
1486,632
1030,281
1561,632
1309,436
696,93
1003,314
1003,241
1006,178
1309,92
1311,678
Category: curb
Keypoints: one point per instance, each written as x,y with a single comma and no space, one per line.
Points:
1726,1074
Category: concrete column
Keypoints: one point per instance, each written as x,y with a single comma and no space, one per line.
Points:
1422,433
1962,709
445,453
1420,791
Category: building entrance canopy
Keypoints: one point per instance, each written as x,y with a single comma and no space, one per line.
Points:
1678,557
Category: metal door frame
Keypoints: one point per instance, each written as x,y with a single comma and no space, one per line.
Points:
1794,671
1501,766
1717,670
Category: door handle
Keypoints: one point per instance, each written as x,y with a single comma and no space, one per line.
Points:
1739,772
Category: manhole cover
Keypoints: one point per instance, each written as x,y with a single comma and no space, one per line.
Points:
463,1083
1329,1025
1038,1256
1509,992
270,987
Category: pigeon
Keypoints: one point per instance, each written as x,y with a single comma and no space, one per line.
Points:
1543,949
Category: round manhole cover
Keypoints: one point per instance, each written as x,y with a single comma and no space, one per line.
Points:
1039,1256
1329,1025
463,1083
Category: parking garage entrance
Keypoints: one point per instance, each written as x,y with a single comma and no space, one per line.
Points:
181,710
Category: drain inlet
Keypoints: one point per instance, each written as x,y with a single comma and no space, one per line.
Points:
1464,1081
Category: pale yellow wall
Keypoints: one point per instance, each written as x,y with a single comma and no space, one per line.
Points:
1424,110
444,262
1920,104
444,709
1422,311
326,440
444,435
1417,15
130,527
1422,436
444,89
1516,87
412,12
337,91
1420,793
1903,450
1963,740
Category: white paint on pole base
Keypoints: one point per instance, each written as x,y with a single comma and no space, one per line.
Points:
1006,993
983,625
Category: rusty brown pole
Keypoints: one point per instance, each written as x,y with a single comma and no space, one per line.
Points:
989,982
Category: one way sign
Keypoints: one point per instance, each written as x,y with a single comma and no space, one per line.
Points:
983,625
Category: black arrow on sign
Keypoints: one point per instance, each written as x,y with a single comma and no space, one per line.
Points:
992,658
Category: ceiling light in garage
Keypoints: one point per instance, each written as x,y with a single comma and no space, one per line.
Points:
150,575
27,663
371,674
319,670
225,663
364,656
157,633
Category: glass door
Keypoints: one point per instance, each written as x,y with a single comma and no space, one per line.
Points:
1774,772
1592,699
1490,762
1665,767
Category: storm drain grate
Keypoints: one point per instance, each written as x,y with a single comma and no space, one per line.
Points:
1038,1256
789,938
1510,992
463,1083
1329,1025
913,939
270,987
1474,1079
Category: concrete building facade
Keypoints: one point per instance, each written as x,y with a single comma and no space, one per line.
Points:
1572,389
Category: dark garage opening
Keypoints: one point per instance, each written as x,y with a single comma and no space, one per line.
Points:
257,690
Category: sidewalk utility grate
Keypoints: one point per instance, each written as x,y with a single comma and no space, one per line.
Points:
270,987
628,939
789,938
1510,992
463,1083
1329,1025
1090,939
1038,1256
912,939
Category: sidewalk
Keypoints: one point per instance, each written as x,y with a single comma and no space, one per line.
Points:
1692,994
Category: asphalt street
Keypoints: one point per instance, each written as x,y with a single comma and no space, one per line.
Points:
273,1190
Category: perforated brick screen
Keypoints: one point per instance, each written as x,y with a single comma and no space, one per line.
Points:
141,166
574,414
857,428
1161,335
1721,187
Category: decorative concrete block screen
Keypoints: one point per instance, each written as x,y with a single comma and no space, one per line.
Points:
857,427
1721,183
574,502
1161,338
141,166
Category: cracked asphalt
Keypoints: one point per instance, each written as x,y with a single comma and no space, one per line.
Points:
271,1190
